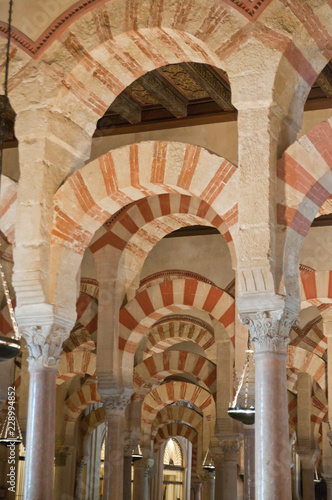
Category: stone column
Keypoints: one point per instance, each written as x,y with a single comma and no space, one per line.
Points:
230,449
196,490
249,462
44,343
269,331
128,448
328,480
218,458
308,473
78,479
305,443
115,407
61,469
208,485
141,478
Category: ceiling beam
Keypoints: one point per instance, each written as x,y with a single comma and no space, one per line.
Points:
129,109
324,80
164,93
212,85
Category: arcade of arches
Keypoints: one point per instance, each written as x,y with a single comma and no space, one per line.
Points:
166,190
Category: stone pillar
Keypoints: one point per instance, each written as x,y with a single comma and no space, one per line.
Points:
196,490
328,480
218,458
327,458
141,478
128,448
61,469
115,407
308,473
269,331
44,343
78,479
208,485
230,449
249,462
305,443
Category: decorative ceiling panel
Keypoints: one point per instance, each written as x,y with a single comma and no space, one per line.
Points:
251,9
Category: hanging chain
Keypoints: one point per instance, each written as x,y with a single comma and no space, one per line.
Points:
9,302
2,138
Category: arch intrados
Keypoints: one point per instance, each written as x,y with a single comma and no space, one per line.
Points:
311,149
301,360
173,430
137,317
154,370
131,264
172,392
190,417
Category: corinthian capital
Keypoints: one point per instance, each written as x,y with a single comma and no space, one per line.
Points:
270,329
116,404
230,449
44,344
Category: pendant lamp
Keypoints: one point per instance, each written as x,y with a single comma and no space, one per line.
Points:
240,409
208,463
10,434
136,454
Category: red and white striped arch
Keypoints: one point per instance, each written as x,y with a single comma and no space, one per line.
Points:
140,226
76,363
304,184
174,329
171,392
316,288
292,411
176,414
311,337
308,362
92,421
127,174
8,202
80,399
319,409
175,429
97,59
153,370
164,298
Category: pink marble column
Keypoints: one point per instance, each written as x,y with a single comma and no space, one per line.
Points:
269,331
249,462
114,447
44,345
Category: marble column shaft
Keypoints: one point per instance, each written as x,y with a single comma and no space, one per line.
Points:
249,462
44,344
208,485
270,334
114,447
127,478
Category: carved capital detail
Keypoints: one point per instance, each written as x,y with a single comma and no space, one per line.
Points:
44,344
61,454
230,449
115,405
270,330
